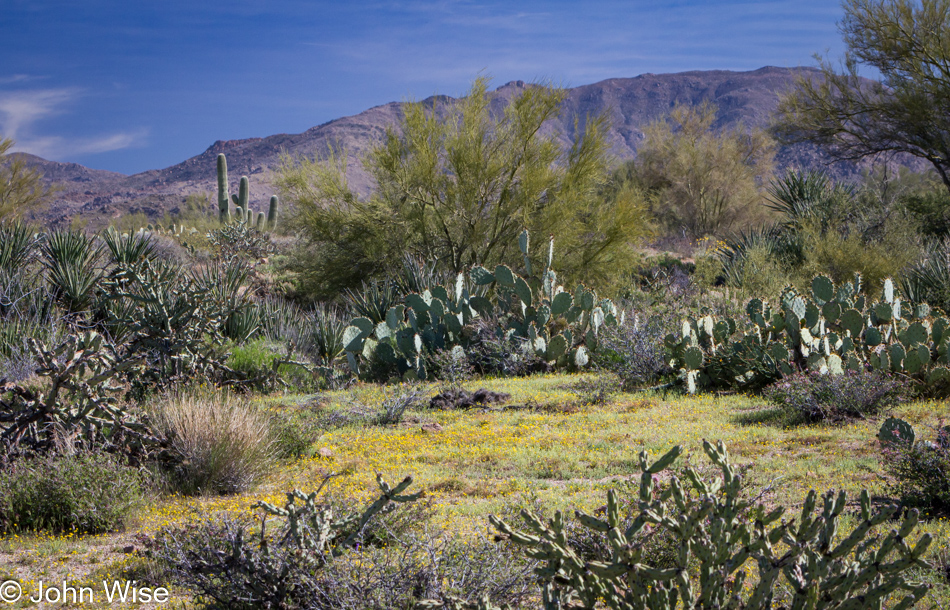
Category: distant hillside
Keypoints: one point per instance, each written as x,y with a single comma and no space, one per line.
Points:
748,98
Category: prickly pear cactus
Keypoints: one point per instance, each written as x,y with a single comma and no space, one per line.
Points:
831,329
896,431
552,324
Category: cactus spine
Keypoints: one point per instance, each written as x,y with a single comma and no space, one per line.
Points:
272,213
224,199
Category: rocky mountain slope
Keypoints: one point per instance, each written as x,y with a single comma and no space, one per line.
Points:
746,98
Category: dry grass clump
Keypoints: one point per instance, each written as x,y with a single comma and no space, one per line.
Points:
217,444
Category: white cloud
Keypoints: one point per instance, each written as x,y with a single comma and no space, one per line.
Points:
56,147
20,110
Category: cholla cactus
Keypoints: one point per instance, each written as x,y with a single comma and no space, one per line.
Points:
720,535
78,404
312,527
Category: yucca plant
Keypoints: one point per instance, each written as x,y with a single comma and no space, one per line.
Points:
801,197
735,253
374,300
283,321
224,283
21,295
418,275
128,248
328,325
72,262
17,245
929,280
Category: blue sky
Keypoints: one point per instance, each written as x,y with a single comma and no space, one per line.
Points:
135,85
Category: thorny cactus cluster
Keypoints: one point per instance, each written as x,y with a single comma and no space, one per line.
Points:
261,570
554,325
312,527
721,536
80,404
829,330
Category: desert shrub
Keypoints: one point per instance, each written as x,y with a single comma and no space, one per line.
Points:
450,366
86,492
393,407
827,397
216,443
634,352
253,357
294,432
919,472
493,353
371,559
597,390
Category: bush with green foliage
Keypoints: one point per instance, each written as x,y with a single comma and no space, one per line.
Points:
822,227
834,398
457,181
85,493
703,181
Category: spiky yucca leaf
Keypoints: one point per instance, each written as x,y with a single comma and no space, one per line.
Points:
71,259
17,245
128,248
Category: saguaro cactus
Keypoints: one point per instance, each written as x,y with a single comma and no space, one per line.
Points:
241,200
260,221
272,213
224,199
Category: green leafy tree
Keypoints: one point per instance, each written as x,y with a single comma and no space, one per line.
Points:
456,183
21,188
704,181
908,43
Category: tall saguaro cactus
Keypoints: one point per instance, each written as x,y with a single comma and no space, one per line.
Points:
224,199
272,213
241,200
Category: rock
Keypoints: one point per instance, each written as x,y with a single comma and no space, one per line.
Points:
430,428
325,452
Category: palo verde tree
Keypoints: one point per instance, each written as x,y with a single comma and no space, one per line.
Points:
704,181
21,188
908,43
456,183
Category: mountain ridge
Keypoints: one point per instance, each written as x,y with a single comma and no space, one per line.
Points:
743,98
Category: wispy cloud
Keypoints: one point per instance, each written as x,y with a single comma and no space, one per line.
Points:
15,78
56,147
20,111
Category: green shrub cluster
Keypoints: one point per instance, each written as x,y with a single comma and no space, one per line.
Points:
85,493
